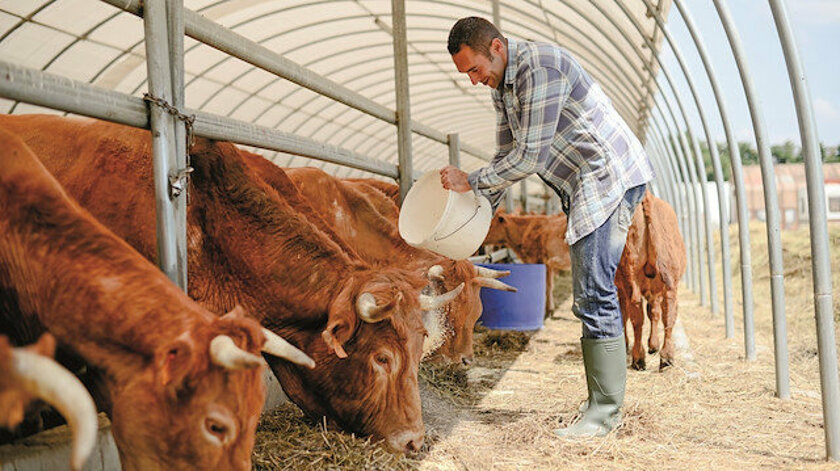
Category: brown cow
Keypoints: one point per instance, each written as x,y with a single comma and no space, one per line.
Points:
367,219
251,245
183,388
534,239
28,373
651,266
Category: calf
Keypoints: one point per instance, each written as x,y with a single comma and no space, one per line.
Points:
28,373
651,266
253,245
182,387
534,239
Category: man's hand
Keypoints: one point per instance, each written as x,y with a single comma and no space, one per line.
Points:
454,179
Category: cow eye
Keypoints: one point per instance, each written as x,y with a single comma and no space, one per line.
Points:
383,361
217,430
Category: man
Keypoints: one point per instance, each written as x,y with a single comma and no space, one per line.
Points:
553,120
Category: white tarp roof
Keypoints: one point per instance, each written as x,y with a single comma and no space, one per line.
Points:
349,43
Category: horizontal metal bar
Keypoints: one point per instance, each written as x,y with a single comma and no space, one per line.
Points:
61,93
225,40
221,128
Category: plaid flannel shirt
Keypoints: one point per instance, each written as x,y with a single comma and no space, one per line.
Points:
555,121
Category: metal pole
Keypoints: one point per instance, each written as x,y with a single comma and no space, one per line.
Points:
701,173
820,254
651,46
523,195
692,245
771,205
175,20
163,133
454,149
403,102
743,228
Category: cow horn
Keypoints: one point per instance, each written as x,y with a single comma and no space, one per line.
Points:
435,273
430,303
279,347
226,354
46,379
494,284
490,273
368,310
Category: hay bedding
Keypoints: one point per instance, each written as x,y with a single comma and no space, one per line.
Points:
712,410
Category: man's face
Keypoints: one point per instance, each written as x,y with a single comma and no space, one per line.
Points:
488,71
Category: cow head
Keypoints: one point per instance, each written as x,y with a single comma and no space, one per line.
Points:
463,312
368,350
196,403
496,234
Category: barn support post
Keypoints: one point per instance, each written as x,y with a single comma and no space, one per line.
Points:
681,180
668,174
175,27
454,144
700,168
674,138
632,43
406,171
820,255
668,165
771,206
523,195
163,132
737,179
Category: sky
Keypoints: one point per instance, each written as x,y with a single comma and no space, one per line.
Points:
816,29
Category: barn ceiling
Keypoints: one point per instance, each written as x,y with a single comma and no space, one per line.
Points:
347,41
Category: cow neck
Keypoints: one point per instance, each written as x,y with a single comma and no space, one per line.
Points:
85,285
285,259
279,180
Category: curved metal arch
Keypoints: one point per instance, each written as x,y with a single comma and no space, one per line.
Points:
76,40
620,96
667,76
738,180
724,231
323,109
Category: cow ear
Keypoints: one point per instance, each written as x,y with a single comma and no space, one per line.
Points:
335,336
238,312
45,345
174,362
341,321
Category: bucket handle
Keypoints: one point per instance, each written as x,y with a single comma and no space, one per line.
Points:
474,214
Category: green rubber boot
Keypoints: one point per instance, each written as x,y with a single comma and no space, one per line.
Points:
606,375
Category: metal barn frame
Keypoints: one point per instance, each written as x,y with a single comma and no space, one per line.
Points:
618,41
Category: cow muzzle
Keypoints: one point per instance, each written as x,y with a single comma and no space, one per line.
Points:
406,442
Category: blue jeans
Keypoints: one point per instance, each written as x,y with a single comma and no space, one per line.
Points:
594,262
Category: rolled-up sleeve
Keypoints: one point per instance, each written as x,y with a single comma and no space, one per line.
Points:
541,93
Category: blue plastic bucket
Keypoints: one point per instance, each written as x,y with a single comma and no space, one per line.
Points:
523,310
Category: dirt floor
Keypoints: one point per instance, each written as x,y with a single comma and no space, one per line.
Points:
712,410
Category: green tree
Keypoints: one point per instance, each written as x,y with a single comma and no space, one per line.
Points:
786,153
830,154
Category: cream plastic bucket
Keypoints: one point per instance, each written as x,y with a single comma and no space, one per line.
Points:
444,221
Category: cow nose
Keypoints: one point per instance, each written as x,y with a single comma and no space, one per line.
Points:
466,360
406,442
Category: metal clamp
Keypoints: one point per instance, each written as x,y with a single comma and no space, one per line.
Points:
178,182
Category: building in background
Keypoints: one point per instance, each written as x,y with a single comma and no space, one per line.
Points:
793,196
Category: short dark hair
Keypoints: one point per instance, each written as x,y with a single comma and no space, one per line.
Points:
475,32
